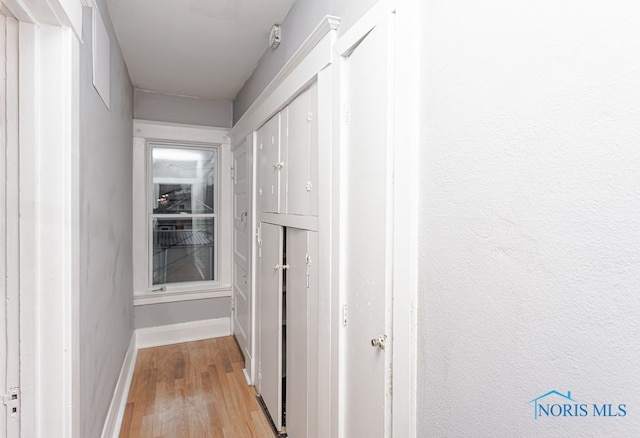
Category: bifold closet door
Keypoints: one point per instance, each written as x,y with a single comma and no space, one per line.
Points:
270,320
302,298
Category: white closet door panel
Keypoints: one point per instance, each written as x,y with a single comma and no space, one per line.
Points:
270,321
367,235
297,341
285,160
270,165
313,150
298,183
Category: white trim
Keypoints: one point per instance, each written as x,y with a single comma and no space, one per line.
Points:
405,270
49,238
173,297
55,12
311,57
113,423
147,131
182,332
164,131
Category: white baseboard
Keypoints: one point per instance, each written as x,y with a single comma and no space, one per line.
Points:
113,421
183,332
154,337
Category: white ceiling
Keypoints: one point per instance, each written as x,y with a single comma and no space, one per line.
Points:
201,48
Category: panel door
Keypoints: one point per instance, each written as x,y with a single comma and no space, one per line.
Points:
301,184
270,165
301,390
367,237
270,320
242,309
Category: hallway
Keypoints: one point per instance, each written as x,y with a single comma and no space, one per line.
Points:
192,390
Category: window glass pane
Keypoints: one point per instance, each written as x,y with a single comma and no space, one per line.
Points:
183,180
183,250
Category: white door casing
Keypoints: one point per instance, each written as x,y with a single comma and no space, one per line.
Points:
367,238
242,239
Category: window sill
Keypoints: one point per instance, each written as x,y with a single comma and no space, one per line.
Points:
172,297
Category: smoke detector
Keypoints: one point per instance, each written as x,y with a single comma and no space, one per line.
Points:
274,36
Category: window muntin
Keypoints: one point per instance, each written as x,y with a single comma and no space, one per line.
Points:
182,214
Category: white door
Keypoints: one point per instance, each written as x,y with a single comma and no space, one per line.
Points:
242,305
9,229
367,239
302,287
270,254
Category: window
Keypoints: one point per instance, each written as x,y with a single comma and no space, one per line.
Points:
182,212
182,192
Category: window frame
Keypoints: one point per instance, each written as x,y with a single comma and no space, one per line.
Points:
146,133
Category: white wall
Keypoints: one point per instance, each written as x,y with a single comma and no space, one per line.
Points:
182,109
106,281
529,207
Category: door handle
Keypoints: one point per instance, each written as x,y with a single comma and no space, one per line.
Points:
379,342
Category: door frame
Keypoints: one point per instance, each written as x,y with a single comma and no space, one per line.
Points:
48,123
9,229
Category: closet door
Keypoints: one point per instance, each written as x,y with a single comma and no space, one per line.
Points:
270,320
302,150
301,346
271,165
242,308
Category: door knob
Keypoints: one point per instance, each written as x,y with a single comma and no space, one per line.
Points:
379,342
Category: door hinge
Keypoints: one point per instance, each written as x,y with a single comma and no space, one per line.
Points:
11,400
344,315
309,186
308,281
233,173
309,116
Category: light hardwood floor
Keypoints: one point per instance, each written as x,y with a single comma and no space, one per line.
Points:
192,390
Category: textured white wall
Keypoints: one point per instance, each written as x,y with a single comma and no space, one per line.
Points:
529,216
106,267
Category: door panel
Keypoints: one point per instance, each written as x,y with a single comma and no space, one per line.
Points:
301,292
270,320
367,251
270,162
299,185
242,329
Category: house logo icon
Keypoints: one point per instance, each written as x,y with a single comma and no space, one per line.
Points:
563,398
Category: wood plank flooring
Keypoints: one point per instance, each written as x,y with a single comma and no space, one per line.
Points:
193,390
